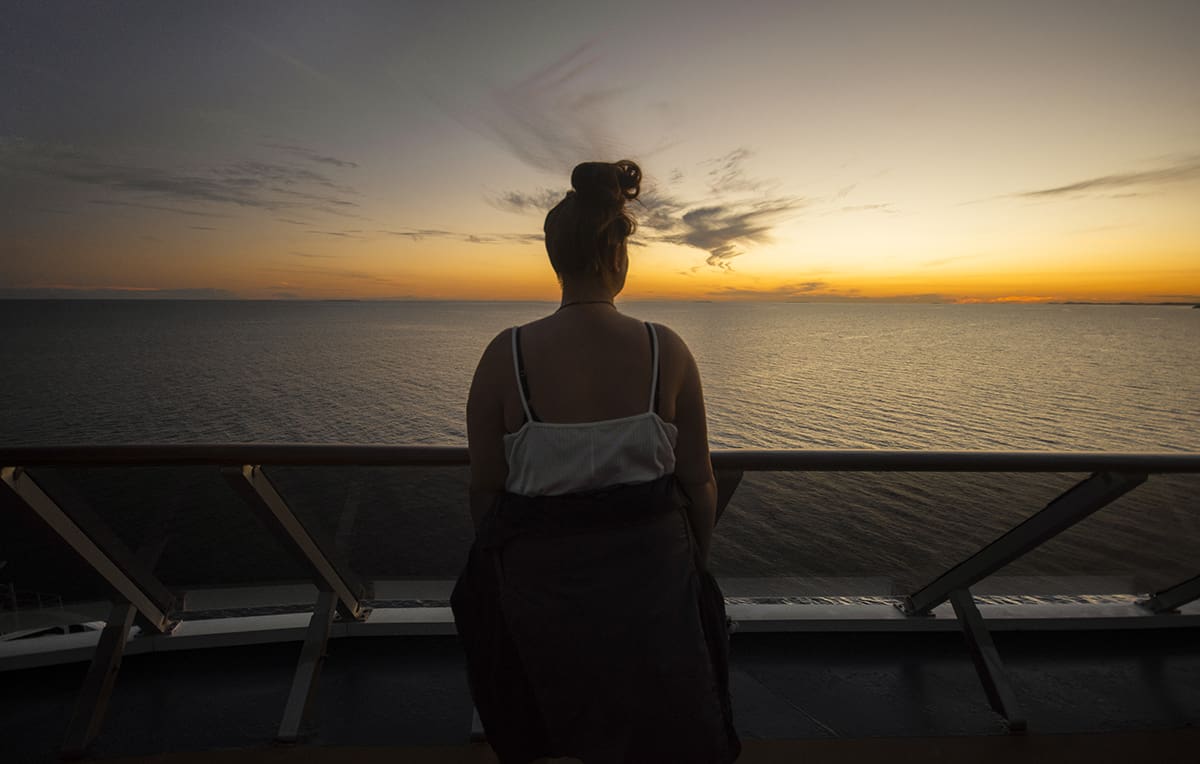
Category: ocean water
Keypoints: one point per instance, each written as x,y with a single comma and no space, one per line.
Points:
779,375
1043,377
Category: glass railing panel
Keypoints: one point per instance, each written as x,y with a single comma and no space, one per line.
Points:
215,539
884,533
43,582
1145,541
784,533
384,522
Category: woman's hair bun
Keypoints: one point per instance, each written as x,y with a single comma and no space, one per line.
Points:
608,184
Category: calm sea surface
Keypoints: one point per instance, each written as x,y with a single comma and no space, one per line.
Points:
775,375
1044,377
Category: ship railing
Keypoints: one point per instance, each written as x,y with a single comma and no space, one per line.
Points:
138,596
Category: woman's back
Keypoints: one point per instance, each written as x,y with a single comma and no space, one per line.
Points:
581,449
590,363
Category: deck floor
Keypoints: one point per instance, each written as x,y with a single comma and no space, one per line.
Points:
1088,696
1114,747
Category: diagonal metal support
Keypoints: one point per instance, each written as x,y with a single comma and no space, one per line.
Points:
1170,600
1060,514
97,545
987,661
727,483
92,703
252,484
312,658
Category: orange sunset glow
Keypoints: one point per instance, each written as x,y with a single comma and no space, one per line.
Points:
915,152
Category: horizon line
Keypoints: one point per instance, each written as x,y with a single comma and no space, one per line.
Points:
850,301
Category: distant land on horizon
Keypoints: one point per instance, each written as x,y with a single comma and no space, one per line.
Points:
11,297
1122,302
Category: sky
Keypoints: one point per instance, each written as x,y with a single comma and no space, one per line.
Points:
896,151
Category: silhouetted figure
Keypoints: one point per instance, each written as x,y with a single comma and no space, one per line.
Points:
591,625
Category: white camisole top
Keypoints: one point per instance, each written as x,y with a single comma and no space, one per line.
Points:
551,458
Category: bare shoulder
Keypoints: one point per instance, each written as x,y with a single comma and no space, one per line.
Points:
672,346
501,343
495,356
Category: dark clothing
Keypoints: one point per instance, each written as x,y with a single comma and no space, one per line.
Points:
591,630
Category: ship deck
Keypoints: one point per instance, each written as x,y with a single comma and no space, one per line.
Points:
1094,695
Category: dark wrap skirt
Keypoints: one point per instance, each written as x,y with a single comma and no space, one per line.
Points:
591,630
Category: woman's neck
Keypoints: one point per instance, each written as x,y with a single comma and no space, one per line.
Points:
586,293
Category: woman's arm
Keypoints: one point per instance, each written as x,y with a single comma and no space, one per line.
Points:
693,467
485,426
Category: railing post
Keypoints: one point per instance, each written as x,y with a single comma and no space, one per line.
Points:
92,703
987,660
312,658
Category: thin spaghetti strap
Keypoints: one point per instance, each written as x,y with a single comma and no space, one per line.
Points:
519,368
654,367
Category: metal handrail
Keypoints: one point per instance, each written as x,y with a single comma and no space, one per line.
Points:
854,460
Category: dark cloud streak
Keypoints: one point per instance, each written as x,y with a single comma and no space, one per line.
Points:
310,155
67,292
350,234
542,200
156,207
419,234
247,184
780,292
1180,172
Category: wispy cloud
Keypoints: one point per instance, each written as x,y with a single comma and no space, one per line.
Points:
738,212
1181,171
781,292
301,67
418,234
310,155
157,207
246,184
83,292
326,271
541,200
558,114
554,116
723,230
351,234
728,173
567,110
887,207
821,291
